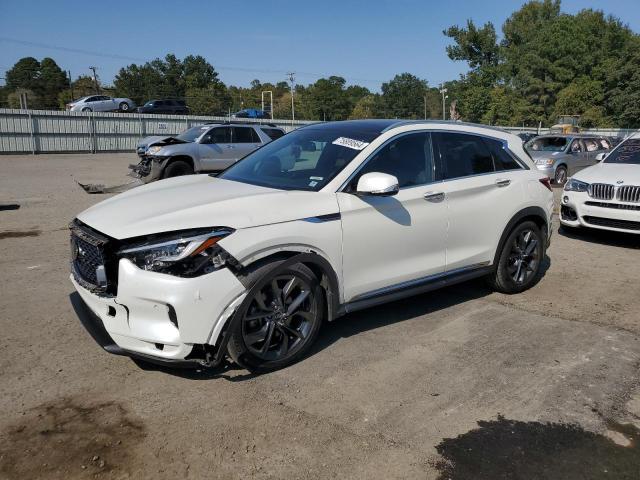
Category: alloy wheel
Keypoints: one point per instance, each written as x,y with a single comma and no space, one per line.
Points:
280,318
524,258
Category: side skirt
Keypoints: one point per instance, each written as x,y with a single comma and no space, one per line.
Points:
415,287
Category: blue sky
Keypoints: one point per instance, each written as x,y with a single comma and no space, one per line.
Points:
366,42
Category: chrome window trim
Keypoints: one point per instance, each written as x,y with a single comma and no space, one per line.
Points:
503,142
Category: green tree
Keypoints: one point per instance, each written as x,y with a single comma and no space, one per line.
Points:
403,96
366,107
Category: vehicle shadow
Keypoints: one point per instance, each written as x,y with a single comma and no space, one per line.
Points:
602,237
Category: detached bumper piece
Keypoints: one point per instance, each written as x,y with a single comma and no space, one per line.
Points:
142,168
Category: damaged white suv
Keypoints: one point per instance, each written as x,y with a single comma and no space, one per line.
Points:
326,220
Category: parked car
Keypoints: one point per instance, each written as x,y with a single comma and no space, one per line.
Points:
560,156
171,107
251,113
205,148
101,103
329,219
606,196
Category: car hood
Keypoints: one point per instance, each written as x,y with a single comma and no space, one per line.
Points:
195,201
610,173
158,139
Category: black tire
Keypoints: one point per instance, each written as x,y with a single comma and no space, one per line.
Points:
86,109
520,262
269,329
124,107
177,168
560,177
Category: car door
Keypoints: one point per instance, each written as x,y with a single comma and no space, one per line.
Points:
482,185
577,156
593,147
215,149
244,140
391,242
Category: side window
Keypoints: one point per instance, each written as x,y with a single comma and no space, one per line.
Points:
407,157
501,158
576,147
591,144
160,103
254,137
462,155
218,135
605,143
242,135
273,133
91,99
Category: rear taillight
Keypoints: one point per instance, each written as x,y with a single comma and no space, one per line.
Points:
546,181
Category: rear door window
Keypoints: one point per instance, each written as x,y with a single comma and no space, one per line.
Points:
273,133
461,155
502,160
242,135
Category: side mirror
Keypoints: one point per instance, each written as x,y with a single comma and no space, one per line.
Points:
601,156
377,184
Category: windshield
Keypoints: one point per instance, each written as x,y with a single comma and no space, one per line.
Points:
627,152
191,134
547,144
305,159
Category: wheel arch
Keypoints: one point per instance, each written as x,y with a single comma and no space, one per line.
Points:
535,214
320,266
177,158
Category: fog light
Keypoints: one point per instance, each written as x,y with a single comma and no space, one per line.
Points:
565,199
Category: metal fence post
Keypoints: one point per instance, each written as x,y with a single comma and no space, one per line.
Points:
31,133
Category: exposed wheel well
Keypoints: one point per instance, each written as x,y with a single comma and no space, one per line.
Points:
534,214
183,158
320,267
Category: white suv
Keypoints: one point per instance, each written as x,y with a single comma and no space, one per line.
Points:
326,220
607,195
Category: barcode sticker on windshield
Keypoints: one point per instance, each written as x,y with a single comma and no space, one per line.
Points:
350,143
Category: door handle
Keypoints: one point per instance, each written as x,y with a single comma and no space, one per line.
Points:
503,182
230,146
434,196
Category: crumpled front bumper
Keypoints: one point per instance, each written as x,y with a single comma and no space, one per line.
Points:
161,316
148,168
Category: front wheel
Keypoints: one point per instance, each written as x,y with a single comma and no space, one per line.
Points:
86,109
177,169
279,320
124,107
520,262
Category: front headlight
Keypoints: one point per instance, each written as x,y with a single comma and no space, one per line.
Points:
153,150
185,254
574,185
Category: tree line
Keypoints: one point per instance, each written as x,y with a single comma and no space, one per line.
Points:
545,63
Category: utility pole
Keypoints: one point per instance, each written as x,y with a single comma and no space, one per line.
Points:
95,78
443,91
73,97
292,78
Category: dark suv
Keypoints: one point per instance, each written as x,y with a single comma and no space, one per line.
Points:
174,107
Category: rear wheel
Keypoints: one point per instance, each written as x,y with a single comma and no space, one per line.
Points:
177,169
520,262
279,320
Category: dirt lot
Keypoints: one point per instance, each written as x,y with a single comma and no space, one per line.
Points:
460,383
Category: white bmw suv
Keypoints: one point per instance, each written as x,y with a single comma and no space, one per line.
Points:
326,220
607,195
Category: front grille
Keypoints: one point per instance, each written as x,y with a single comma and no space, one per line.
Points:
612,223
90,259
601,191
619,206
629,193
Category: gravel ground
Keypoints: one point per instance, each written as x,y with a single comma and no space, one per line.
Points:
458,383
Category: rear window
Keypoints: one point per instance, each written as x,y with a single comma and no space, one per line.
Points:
547,144
273,133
